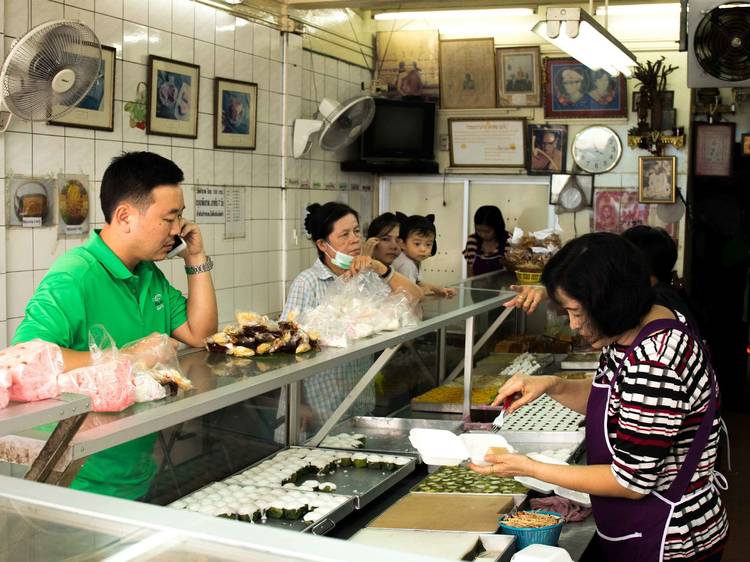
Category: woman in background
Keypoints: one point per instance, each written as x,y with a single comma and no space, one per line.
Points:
486,247
382,239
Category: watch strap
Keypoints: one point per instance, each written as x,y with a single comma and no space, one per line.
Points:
206,266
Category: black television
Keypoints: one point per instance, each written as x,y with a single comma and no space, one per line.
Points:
402,130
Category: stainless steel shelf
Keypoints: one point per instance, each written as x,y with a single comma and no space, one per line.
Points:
220,381
19,416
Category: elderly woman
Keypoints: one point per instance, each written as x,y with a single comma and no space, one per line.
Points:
652,413
334,229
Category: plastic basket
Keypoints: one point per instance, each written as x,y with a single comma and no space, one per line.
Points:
548,535
528,277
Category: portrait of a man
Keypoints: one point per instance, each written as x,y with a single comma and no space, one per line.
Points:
548,148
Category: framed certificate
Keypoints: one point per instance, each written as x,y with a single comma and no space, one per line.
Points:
487,143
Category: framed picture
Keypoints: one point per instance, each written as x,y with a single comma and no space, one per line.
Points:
487,143
657,179
547,148
96,109
572,90
408,63
172,98
584,182
667,99
467,73
519,81
745,144
713,149
30,201
235,114
668,119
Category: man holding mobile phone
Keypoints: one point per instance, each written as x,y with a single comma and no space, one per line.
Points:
112,280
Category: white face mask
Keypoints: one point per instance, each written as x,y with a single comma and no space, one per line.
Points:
342,260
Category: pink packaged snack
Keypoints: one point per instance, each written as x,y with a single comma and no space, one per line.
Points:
109,385
33,368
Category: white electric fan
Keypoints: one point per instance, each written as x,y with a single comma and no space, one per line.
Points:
48,71
339,124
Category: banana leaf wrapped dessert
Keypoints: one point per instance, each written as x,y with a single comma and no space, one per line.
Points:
254,334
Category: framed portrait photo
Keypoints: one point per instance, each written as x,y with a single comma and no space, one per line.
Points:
235,114
745,144
408,63
572,91
657,179
96,109
714,143
519,75
547,148
467,73
172,98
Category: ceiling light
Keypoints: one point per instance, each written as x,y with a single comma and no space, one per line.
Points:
638,9
577,33
234,2
454,14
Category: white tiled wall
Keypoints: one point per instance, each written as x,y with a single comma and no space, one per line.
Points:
250,272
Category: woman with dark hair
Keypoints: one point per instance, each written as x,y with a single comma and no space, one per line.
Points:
486,247
334,229
382,238
652,418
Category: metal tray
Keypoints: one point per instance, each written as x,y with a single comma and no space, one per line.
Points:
391,435
439,407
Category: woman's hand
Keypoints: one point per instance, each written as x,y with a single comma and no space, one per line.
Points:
523,389
370,244
366,263
510,464
445,292
528,297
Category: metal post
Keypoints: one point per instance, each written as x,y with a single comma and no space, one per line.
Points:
468,359
347,402
486,336
54,448
441,350
292,412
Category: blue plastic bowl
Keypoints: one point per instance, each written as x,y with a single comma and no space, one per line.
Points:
548,535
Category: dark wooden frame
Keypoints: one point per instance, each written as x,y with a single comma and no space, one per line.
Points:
522,120
550,65
530,133
150,96
217,113
723,132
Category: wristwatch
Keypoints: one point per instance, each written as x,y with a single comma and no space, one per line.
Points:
388,275
207,265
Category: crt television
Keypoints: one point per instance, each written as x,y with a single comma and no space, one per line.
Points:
401,130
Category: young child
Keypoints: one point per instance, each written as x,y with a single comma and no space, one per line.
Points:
417,240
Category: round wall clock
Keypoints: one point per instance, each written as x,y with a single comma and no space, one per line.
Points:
597,149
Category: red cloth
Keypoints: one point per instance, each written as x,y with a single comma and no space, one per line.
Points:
33,368
571,511
109,385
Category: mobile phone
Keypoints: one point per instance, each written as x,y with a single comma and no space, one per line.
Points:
179,246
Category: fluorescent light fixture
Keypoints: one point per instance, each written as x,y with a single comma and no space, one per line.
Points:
577,33
638,9
454,14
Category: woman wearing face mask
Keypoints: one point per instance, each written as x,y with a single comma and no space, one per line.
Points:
652,412
334,229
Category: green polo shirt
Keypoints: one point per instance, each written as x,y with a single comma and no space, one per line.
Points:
90,285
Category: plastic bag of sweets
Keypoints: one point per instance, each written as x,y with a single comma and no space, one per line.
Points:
32,368
4,388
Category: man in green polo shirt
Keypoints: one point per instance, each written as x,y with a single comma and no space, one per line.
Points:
112,280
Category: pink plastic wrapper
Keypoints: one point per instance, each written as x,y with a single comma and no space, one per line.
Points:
4,388
109,385
33,368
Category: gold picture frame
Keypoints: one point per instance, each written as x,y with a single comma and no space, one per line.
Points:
657,179
519,77
408,63
467,73
173,88
97,109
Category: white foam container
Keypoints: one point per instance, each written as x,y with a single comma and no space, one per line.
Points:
442,447
547,488
542,553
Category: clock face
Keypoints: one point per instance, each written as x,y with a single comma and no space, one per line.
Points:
571,197
597,149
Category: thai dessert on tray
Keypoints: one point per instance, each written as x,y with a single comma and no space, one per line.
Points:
254,334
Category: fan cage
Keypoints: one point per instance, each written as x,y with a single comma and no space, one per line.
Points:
37,57
722,43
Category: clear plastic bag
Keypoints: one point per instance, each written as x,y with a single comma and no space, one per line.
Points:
357,307
5,382
156,356
108,381
31,369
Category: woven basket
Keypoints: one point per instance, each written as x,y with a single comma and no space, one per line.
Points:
528,277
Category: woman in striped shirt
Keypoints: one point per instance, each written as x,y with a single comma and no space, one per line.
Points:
486,247
652,420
